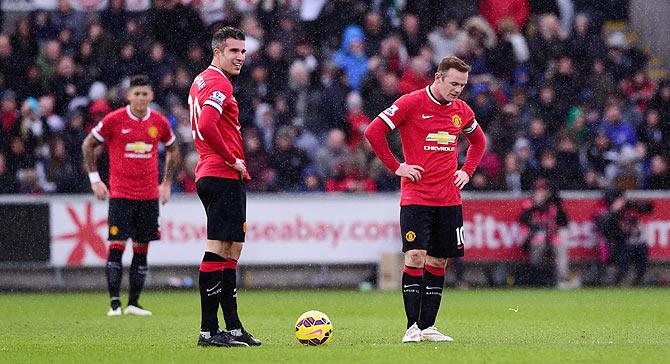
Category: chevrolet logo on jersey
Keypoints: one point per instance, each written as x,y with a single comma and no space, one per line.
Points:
139,147
441,137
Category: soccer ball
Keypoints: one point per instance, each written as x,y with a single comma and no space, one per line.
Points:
313,328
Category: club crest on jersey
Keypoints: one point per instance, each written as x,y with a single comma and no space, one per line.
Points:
457,121
218,97
153,131
391,110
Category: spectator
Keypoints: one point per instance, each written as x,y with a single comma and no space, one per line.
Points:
619,224
661,103
374,33
640,90
651,134
619,131
356,119
542,216
333,152
495,10
332,110
348,177
351,56
585,45
659,176
411,34
447,39
287,162
600,82
24,45
64,17
7,179
63,172
567,161
114,18
257,162
311,181
416,76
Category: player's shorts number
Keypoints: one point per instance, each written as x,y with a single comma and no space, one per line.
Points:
460,237
194,111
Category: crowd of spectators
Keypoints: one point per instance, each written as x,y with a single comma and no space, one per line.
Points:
557,97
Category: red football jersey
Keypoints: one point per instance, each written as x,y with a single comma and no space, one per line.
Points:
211,87
429,133
132,144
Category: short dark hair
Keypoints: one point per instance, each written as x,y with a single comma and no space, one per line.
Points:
220,36
453,62
140,80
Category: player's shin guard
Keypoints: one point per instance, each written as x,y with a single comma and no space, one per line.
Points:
138,273
433,280
229,295
210,284
114,273
412,287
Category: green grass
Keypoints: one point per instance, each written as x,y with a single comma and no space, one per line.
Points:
585,326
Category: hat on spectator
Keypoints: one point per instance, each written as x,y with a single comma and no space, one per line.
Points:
617,40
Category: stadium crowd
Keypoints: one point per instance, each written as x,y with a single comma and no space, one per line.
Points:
558,98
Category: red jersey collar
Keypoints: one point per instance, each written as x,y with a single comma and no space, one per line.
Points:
211,66
433,98
132,116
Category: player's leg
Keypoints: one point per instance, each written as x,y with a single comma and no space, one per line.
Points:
114,274
414,227
118,217
232,253
210,281
145,227
433,280
446,242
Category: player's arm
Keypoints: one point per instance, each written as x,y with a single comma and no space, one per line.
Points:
209,131
172,159
376,135
477,140
88,151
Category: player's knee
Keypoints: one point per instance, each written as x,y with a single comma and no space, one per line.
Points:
415,258
436,262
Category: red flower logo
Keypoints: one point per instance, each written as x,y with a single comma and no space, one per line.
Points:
86,236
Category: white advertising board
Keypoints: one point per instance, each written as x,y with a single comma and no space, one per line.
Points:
280,230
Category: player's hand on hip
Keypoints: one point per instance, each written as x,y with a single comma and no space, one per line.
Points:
461,179
100,190
164,192
240,167
411,171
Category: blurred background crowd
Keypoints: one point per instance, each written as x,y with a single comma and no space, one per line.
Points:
559,96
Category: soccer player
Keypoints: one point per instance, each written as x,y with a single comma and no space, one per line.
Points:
430,121
221,176
132,134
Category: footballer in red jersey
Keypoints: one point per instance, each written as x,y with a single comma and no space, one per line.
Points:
430,121
221,176
132,135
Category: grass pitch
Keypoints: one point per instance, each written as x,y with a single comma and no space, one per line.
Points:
513,326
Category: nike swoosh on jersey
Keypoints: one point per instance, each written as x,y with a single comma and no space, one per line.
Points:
424,116
125,131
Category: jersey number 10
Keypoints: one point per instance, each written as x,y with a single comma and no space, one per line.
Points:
194,111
